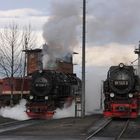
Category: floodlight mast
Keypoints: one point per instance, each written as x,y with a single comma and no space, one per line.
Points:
137,51
83,58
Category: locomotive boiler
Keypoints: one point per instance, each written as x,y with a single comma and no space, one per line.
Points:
121,90
51,89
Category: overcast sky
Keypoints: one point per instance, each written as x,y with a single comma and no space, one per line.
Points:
108,22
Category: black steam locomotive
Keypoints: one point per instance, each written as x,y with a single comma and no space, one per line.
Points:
50,90
121,92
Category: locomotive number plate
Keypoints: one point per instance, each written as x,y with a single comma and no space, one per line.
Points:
120,83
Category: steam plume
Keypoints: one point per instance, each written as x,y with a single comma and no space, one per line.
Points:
60,31
65,112
17,112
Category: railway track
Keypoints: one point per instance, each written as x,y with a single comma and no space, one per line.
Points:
110,129
123,130
9,126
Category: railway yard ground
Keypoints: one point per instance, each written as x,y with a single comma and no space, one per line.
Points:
94,127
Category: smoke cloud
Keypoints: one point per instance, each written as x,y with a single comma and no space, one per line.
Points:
65,112
17,112
60,31
107,22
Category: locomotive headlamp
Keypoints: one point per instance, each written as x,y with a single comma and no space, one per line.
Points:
31,97
112,95
121,65
46,97
28,110
40,71
130,95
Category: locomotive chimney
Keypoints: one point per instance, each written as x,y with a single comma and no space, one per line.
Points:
137,51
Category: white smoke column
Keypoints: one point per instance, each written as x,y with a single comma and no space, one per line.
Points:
65,112
60,31
17,112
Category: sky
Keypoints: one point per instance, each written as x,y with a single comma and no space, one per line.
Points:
112,30
25,12
42,5
115,21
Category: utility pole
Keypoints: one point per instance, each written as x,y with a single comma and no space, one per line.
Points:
83,57
137,51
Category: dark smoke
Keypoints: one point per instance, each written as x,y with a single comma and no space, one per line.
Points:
107,22
60,32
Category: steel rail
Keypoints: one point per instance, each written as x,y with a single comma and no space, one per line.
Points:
4,127
123,130
8,123
15,122
99,129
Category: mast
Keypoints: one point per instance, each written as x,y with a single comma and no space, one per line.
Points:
83,57
137,51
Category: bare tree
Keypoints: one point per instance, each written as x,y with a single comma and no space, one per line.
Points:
28,42
12,42
10,53
28,39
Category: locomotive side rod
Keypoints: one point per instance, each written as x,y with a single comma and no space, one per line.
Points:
99,129
123,130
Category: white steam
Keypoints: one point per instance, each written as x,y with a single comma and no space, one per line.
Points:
60,31
17,112
65,112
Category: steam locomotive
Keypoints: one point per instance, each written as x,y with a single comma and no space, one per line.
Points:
51,87
121,91
50,90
